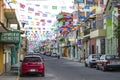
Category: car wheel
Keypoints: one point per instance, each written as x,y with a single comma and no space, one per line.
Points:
43,74
90,65
21,75
103,68
97,67
86,65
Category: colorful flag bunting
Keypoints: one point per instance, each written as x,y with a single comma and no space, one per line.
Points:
37,14
14,1
37,5
49,21
37,23
87,7
44,15
29,17
43,24
97,0
63,7
90,0
42,20
71,7
30,9
103,6
22,6
79,7
54,7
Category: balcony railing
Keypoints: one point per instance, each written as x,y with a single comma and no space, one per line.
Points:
86,32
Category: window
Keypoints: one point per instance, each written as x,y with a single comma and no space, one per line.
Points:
92,49
109,57
102,57
32,59
93,2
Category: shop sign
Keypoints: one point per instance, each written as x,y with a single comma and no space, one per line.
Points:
10,36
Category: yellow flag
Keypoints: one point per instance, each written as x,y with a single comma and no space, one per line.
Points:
94,7
14,1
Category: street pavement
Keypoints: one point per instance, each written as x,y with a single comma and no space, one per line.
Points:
13,74
62,69
65,69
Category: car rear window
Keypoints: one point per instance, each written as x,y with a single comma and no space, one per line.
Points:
32,59
94,56
108,57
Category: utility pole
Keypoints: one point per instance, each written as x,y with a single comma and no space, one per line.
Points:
78,32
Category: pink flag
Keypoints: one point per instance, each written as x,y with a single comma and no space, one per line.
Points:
22,6
97,0
42,20
37,14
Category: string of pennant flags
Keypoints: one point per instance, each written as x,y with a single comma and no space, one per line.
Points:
39,21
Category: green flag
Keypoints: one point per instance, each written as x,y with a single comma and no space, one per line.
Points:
54,7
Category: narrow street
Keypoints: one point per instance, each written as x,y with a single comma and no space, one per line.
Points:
62,69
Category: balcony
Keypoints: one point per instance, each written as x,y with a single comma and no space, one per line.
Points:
11,16
86,33
97,33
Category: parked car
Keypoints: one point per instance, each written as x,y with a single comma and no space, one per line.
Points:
48,53
107,62
91,60
54,55
42,52
32,64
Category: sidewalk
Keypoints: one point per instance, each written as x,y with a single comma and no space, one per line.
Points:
11,75
76,60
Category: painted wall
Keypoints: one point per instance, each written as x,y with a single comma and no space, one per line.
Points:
92,46
1,59
98,46
7,58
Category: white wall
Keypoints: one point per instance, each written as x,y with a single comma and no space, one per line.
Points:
98,44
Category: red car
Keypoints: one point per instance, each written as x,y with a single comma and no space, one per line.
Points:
107,62
32,64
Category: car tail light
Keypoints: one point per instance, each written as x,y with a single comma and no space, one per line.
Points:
39,63
107,62
42,66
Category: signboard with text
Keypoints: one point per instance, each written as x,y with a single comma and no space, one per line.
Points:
10,36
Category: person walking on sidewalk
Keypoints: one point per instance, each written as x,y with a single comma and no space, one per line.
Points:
58,55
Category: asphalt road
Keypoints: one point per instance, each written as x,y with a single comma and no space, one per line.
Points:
62,69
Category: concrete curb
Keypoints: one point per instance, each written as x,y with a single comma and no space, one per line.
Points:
18,78
75,60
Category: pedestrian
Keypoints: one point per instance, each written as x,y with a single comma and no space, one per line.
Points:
58,55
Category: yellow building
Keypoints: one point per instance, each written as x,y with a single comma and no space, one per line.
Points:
1,59
2,29
7,17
